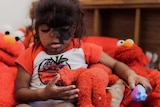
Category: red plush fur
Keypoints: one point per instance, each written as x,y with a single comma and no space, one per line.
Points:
92,83
137,60
108,43
8,54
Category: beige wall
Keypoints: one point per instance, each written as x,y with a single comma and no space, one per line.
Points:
14,12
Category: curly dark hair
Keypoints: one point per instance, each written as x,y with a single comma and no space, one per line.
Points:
57,13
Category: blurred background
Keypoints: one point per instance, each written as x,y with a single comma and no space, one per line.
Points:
14,12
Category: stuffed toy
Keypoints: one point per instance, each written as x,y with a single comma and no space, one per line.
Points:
92,83
109,44
11,47
134,57
29,36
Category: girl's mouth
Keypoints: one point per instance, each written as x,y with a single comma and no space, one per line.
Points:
55,45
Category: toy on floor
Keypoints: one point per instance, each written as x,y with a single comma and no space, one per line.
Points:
139,93
132,55
11,46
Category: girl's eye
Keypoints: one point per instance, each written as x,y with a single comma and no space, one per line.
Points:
65,28
45,30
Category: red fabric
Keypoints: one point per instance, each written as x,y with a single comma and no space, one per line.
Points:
109,44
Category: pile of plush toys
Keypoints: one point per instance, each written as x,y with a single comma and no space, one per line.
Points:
101,86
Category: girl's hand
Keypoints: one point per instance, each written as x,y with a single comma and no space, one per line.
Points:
51,91
136,79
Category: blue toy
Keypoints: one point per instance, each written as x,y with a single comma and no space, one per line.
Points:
139,93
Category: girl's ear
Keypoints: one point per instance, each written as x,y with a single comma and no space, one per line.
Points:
73,29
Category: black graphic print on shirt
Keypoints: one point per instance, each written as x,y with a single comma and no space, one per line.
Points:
48,68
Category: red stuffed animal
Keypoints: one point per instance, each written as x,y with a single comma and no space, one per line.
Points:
133,56
92,83
10,48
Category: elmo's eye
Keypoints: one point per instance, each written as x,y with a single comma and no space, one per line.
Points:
120,42
130,40
19,35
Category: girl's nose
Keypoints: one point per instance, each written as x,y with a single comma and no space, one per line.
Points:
55,34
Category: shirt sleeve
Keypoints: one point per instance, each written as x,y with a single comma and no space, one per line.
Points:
25,60
92,52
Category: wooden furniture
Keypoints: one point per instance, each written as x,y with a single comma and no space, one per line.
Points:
135,19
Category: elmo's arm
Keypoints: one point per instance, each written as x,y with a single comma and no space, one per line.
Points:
69,76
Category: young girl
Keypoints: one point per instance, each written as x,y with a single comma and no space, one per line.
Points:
59,30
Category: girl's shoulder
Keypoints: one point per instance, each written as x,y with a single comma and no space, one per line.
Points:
33,50
35,47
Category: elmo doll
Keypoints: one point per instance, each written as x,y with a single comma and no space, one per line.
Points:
132,55
93,84
11,46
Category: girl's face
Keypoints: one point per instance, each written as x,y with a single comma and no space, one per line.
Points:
55,40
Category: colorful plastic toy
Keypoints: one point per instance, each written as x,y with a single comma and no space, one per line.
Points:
139,93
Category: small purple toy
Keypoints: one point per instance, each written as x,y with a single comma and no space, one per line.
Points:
139,93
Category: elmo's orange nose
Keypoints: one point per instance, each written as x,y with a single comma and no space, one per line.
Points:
9,39
128,43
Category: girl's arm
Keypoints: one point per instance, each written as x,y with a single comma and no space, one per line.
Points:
124,72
